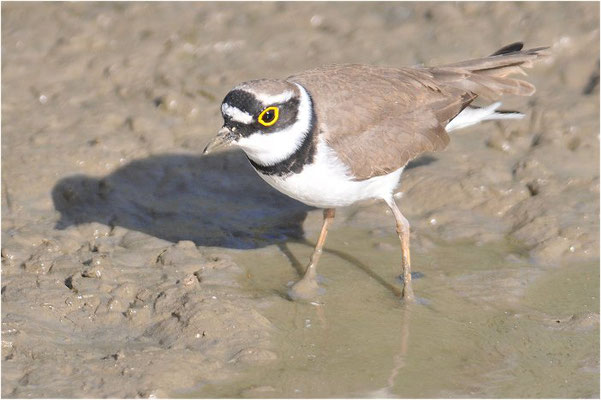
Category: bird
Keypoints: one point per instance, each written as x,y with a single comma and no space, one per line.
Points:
338,134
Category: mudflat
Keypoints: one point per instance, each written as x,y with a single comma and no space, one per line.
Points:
134,267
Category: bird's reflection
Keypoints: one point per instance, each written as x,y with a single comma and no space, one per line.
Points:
404,314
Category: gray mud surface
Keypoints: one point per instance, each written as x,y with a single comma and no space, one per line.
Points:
132,267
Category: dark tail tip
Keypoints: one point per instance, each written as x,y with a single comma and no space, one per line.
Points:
507,112
510,48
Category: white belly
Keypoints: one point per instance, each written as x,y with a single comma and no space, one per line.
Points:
326,183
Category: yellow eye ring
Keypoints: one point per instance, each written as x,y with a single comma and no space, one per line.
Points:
269,116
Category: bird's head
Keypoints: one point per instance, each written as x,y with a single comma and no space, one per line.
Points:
268,119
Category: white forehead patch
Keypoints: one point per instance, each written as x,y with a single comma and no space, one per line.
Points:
268,100
236,114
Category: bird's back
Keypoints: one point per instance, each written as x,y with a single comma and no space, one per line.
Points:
402,112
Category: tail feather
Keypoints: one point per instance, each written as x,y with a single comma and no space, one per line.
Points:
504,85
510,48
488,76
524,58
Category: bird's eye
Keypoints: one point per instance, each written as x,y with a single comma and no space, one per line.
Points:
269,116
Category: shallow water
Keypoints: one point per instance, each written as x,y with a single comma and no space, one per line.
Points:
484,326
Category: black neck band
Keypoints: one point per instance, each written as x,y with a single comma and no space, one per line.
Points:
297,160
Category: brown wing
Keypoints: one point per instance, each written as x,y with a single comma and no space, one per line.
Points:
377,118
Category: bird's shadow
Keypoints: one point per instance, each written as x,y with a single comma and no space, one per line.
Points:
212,200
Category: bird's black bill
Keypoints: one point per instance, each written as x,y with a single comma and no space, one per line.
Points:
224,138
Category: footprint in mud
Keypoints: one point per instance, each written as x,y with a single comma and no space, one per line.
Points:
214,200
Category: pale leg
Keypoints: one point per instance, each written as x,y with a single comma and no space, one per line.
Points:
402,228
307,286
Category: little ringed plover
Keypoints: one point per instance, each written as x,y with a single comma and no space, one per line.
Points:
338,134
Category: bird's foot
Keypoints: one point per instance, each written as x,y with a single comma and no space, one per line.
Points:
407,295
306,289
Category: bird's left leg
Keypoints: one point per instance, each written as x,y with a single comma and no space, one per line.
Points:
402,228
307,286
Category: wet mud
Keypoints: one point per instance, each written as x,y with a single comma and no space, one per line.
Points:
134,267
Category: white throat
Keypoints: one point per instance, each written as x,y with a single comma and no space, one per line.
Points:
271,148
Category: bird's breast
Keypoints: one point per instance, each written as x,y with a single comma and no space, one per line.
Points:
328,183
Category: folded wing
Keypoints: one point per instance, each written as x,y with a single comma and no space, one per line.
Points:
377,119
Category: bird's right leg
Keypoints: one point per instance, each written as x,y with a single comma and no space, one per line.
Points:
307,287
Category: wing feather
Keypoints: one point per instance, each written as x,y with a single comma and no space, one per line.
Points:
377,119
